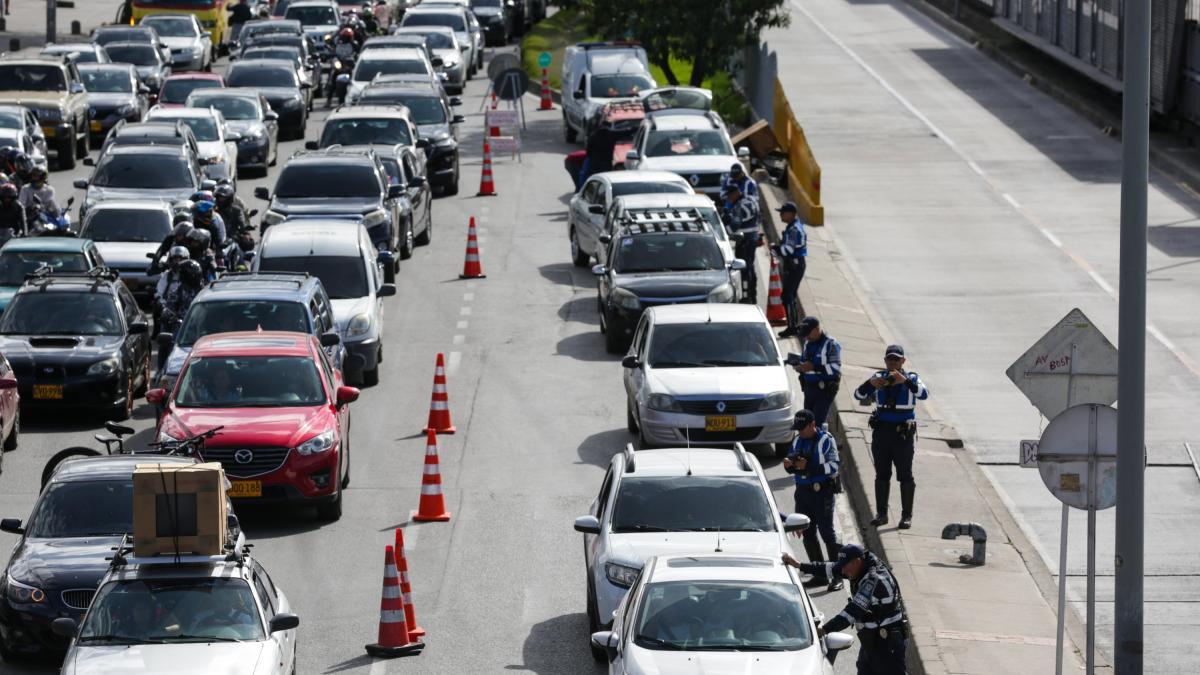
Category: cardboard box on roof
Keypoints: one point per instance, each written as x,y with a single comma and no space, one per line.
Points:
179,508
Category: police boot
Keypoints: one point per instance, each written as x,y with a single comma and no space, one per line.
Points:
882,491
813,549
835,582
907,493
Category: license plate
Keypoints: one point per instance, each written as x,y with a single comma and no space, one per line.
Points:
48,391
48,132
720,423
246,488
97,127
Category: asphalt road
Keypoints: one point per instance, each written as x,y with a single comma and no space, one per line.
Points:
539,409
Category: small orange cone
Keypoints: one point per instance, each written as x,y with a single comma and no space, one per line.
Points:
547,102
410,616
472,266
487,185
433,503
394,639
439,403
493,130
776,312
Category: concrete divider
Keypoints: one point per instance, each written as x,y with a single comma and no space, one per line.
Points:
804,173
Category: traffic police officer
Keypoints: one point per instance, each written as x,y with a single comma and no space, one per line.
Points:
820,368
813,463
875,609
742,220
793,251
737,176
894,431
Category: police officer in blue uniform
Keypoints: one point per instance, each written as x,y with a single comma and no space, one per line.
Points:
820,369
814,463
895,393
737,176
742,220
793,254
876,609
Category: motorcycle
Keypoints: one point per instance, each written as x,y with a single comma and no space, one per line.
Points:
339,81
46,223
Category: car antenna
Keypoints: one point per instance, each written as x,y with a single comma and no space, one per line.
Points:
687,437
718,548
708,309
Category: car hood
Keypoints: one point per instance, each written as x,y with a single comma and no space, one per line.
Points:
345,309
110,99
690,163
211,148
32,99
68,350
244,126
671,284
434,132
75,562
181,42
720,381
274,94
660,662
252,427
99,194
203,658
632,549
318,32
315,206
481,12
127,254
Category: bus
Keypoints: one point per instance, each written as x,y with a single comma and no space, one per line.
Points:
213,15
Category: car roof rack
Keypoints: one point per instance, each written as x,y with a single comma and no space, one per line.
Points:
653,216
743,457
97,274
636,227
298,278
235,552
629,455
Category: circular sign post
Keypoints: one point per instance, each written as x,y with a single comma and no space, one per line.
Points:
544,60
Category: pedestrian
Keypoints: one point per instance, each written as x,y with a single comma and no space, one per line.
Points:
742,221
793,252
737,176
894,431
600,144
875,608
814,463
820,369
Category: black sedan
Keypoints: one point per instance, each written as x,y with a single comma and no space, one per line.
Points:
152,68
77,341
281,84
249,115
114,93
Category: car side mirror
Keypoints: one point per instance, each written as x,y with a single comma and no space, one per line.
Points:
306,85
261,192
284,622
312,145
587,525
64,627
395,191
156,396
207,34
165,340
386,291
423,143
597,209
77,88
138,326
599,270
233,137
457,119
631,361
743,152
81,184
208,185
438,62
12,526
271,116
796,522
465,48
455,101
836,642
577,95
632,156
608,641
416,181
330,339
143,89
346,395
737,264
605,238
88,161
251,213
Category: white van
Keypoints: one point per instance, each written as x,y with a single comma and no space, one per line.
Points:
595,73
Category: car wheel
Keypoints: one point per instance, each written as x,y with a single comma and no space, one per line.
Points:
594,624
346,477
406,251
389,274
631,424
568,129
614,343
66,154
452,187
578,257
370,378
123,411
426,237
141,390
331,512
10,443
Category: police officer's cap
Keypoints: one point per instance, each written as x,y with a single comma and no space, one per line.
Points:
848,553
802,419
789,207
737,168
894,350
733,187
808,323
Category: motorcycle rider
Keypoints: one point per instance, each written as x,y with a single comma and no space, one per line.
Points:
169,279
178,237
191,280
370,22
37,196
229,211
12,214
205,215
23,167
199,244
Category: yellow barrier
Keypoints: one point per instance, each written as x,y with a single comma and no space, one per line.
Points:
804,174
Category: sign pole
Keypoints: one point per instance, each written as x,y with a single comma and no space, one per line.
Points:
1063,541
1091,546
51,20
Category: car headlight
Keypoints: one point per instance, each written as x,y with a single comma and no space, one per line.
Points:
626,299
449,65
359,325
126,110
318,443
22,594
722,293
621,575
663,402
166,437
776,400
106,367
197,52
273,218
291,104
153,80
255,134
445,143
373,218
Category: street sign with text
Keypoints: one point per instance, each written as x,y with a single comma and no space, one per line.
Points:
1072,364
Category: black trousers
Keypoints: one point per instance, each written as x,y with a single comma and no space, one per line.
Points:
818,506
881,656
746,249
792,273
818,400
890,448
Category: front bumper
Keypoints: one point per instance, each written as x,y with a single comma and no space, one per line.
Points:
311,479
622,320
78,391
254,154
57,131
25,629
104,120
673,428
186,61
362,355
494,34
290,119
217,171
443,167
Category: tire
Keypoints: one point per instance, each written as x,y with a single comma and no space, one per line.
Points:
578,256
370,378
406,251
66,154
599,655
122,412
61,455
630,421
613,342
141,390
568,129
10,443
426,237
452,188
346,478
389,274
331,512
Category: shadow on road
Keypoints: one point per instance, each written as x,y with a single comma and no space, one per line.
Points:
276,521
598,449
557,645
560,273
581,308
587,346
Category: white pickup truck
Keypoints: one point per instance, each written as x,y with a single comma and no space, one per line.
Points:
595,73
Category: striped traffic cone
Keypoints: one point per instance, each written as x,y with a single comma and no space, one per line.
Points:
493,130
410,615
776,312
487,184
547,102
394,639
439,403
472,265
433,503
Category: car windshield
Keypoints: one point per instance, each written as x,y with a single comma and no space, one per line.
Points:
100,508
269,28
692,504
423,109
685,345
261,76
177,90
285,53
667,252
331,180
649,187
159,611
486,3
343,277
204,128
452,21
206,318
250,382
366,131
312,16
62,314
107,81
172,27
32,78
140,225
367,70
722,615
14,265
436,40
145,171
619,84
138,55
232,107
84,53
106,37
687,142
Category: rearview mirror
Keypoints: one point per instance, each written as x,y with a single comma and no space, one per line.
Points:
416,181
455,100
81,184
386,291
836,642
143,89
587,525
156,396
606,640
630,361
737,264
252,213
465,48
330,339
208,185
346,395
64,627
796,522
138,326
577,95
599,270
88,161
263,193
284,622
12,525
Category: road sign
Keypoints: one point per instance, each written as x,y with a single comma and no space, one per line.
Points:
1070,365
1077,456
1029,450
503,118
511,84
501,63
544,60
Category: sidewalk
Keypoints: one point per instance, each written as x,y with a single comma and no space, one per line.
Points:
27,21
994,619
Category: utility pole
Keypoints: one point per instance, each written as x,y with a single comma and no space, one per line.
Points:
51,21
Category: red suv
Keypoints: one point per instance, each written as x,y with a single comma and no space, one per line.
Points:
286,435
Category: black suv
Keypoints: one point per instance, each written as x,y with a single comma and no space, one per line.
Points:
340,183
429,108
658,258
77,340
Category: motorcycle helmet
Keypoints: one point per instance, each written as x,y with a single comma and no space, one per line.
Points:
224,193
8,192
178,253
346,33
190,273
7,153
181,218
204,211
23,163
37,175
203,196
182,230
199,237
183,206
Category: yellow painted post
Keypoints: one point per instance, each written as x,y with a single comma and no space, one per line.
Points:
804,174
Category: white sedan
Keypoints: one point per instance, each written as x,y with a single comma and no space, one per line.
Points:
585,214
218,148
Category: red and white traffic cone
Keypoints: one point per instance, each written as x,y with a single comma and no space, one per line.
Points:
394,639
433,502
410,616
493,130
487,184
547,102
776,312
439,403
472,264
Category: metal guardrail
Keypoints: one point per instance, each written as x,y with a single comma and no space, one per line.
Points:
804,173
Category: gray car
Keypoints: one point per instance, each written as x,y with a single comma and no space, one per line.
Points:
124,232
160,172
249,115
429,108
115,93
151,67
85,52
443,45
191,46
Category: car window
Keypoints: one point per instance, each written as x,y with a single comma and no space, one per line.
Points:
454,22
91,508
326,368
589,191
268,598
66,313
649,187
14,265
107,81
328,180
254,75
178,90
232,107
204,128
143,171
686,345
602,498
206,318
366,70
722,615
173,610
249,382
129,304
619,84
695,503
138,55
667,252
315,309
340,275
410,168
171,26
682,142
28,77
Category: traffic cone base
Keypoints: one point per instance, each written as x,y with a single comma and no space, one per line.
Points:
394,638
433,502
439,403
383,652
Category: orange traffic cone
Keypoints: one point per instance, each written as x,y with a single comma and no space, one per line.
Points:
439,403
472,266
493,130
547,102
433,503
393,632
776,312
487,185
410,615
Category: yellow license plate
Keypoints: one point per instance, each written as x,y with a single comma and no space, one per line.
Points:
97,127
720,423
246,488
48,391
48,132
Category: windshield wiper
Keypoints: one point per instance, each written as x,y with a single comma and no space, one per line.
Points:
742,648
680,364
658,642
201,638
646,528
729,362
129,639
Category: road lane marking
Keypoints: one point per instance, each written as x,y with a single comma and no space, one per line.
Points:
459,339
1009,198
468,297
452,365
462,325
464,311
